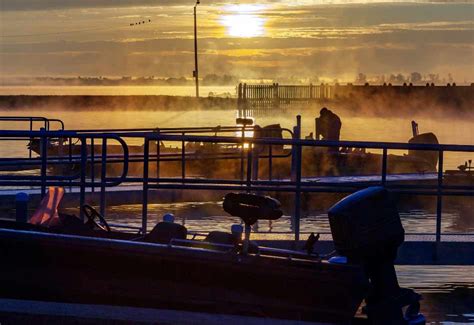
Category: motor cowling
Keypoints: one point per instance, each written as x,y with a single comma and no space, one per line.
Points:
367,229
366,225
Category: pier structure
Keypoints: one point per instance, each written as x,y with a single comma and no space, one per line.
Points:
258,99
433,247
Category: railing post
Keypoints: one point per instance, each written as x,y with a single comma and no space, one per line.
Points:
92,165
242,156
270,162
82,195
255,162
183,159
439,203
44,157
384,167
103,178
249,170
146,153
296,177
31,129
158,155
70,159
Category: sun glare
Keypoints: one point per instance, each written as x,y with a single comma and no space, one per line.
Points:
244,21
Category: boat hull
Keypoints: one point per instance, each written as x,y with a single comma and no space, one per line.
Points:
67,268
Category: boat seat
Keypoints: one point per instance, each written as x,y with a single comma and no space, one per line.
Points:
164,232
251,208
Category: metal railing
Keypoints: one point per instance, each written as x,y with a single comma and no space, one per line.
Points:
246,149
31,122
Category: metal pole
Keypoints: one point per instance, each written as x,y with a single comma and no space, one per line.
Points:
103,178
92,166
82,195
439,203
384,167
196,69
298,180
183,159
44,158
146,153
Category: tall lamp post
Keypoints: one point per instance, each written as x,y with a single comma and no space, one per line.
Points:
196,69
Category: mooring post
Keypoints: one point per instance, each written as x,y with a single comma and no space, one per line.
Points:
21,204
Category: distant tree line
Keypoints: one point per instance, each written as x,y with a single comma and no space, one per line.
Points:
208,80
414,78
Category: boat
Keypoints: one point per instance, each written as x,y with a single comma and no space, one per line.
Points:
64,260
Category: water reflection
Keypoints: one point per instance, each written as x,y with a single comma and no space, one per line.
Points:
209,216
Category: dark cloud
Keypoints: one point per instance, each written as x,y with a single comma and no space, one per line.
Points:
7,5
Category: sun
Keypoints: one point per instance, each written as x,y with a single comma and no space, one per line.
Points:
244,21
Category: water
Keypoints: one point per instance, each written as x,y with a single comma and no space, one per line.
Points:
448,291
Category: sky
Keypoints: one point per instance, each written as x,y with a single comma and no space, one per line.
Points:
272,39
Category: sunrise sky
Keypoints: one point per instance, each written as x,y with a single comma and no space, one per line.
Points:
271,39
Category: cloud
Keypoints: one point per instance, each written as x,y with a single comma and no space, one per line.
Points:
26,5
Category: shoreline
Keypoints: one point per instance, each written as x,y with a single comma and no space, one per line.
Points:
360,105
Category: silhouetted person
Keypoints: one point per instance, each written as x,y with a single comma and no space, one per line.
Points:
328,125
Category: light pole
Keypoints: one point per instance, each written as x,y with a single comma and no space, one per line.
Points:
196,69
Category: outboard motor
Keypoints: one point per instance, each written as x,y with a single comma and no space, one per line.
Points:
367,229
